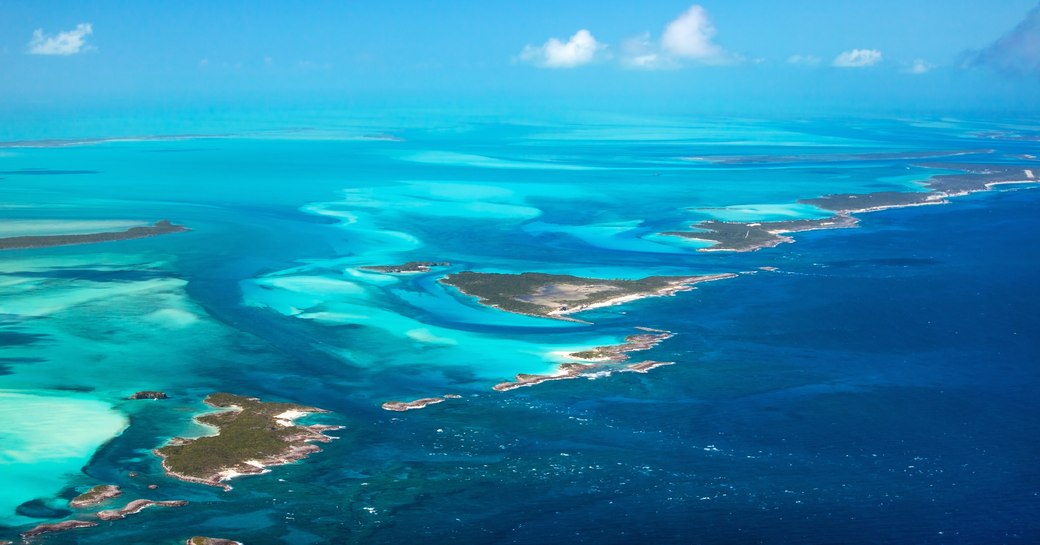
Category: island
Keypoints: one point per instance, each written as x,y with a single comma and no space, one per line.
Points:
57,527
402,406
251,435
161,227
599,361
557,295
736,236
149,394
411,267
95,496
135,507
199,540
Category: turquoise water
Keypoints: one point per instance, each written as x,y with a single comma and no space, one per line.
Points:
918,319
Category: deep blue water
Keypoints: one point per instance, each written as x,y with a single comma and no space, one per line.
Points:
877,388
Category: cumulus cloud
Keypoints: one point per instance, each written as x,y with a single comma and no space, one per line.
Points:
857,58
68,42
1017,52
689,37
803,60
581,48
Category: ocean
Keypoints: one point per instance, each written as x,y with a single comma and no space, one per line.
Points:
869,385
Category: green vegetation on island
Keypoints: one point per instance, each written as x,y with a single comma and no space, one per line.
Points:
868,202
739,236
200,540
95,496
410,267
161,227
555,295
251,436
150,394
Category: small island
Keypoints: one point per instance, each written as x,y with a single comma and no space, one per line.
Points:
95,496
57,527
599,361
251,435
161,227
411,267
149,394
557,295
200,540
135,507
402,406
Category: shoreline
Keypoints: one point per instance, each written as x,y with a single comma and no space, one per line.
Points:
136,507
402,406
686,284
29,242
939,190
297,440
600,361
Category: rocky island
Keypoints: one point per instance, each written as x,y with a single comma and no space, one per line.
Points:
95,496
57,527
161,227
200,540
557,295
148,394
251,435
135,507
402,406
407,268
599,361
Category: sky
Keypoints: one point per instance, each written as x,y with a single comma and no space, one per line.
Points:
734,53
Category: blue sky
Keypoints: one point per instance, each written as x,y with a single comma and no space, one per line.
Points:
857,54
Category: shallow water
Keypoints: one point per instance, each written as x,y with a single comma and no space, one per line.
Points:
875,388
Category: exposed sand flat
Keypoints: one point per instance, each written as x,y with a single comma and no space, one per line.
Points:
557,295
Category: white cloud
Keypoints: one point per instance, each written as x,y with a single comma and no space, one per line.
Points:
803,60
581,48
69,42
689,37
857,58
920,66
